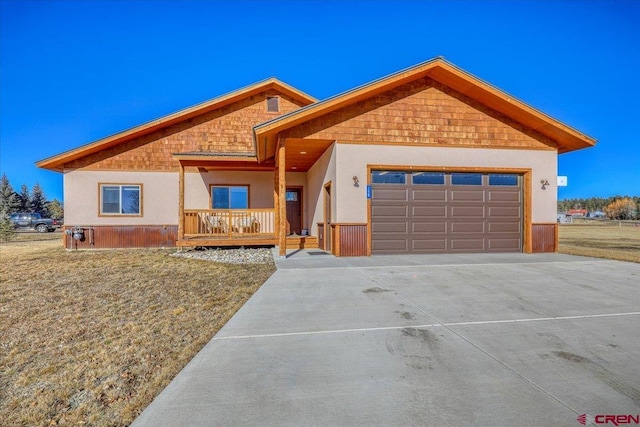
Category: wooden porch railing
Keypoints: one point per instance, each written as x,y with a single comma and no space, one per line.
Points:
229,223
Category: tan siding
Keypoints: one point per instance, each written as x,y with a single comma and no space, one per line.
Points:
228,129
421,112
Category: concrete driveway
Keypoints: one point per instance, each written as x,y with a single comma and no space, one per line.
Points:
439,340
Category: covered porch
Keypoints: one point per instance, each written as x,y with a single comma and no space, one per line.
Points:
273,223
237,227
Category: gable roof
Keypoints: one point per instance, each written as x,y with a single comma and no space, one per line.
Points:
58,161
444,72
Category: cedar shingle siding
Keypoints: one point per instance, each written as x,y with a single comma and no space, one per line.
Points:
422,112
227,129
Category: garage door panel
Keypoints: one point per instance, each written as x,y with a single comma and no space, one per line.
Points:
429,227
504,227
390,227
393,211
475,195
429,195
427,212
475,245
388,246
467,227
466,212
504,211
392,194
428,245
504,196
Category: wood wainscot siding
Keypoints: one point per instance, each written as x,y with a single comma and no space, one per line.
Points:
544,237
350,240
122,236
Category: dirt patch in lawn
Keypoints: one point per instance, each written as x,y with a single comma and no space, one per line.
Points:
602,241
90,338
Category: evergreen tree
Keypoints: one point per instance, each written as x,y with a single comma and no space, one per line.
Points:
55,209
24,198
9,202
39,201
7,231
8,205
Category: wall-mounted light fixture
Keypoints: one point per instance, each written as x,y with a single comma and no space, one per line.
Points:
544,183
356,182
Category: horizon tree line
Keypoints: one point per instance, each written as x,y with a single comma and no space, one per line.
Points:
615,207
25,200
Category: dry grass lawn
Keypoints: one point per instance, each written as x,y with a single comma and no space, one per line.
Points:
601,241
90,338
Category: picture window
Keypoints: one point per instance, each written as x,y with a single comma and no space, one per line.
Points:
230,197
120,199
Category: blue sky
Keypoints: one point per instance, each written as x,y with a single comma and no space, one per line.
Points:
72,72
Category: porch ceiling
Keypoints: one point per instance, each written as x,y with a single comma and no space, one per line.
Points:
301,154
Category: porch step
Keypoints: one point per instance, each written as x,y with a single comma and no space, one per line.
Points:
302,242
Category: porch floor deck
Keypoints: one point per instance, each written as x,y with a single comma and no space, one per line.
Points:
293,241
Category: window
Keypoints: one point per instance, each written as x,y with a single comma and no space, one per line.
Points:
388,177
510,180
291,196
230,197
272,104
120,199
466,179
429,178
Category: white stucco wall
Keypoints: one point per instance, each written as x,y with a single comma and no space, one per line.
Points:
323,171
160,194
352,159
159,197
196,188
338,164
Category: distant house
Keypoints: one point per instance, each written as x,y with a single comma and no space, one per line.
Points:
429,159
596,214
564,218
578,212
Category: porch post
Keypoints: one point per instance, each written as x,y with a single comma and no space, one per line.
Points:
282,204
276,212
181,202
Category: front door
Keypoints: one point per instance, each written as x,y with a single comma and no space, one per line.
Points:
294,210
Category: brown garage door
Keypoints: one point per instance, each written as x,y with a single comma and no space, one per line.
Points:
435,212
